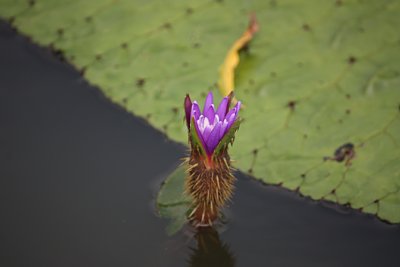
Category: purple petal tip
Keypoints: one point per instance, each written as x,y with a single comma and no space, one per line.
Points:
188,109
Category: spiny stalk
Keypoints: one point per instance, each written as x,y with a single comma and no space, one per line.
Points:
209,178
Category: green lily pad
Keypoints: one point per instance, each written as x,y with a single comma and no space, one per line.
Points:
172,203
318,75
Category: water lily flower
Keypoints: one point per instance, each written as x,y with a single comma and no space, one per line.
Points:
212,124
209,179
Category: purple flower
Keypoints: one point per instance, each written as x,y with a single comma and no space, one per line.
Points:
211,125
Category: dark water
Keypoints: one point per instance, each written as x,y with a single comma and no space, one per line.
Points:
77,179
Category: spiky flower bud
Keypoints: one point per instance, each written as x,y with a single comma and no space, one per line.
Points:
209,174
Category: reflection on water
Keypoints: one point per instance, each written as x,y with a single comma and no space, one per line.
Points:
210,251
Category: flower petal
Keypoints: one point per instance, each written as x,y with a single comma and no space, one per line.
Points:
224,127
188,110
210,113
222,108
235,110
205,123
213,139
206,133
230,121
209,101
232,115
195,111
238,105
200,123
199,134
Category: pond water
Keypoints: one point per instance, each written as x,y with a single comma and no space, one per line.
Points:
78,178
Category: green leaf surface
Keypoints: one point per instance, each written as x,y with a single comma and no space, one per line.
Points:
172,203
318,74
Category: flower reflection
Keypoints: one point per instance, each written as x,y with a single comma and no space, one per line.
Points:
210,250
